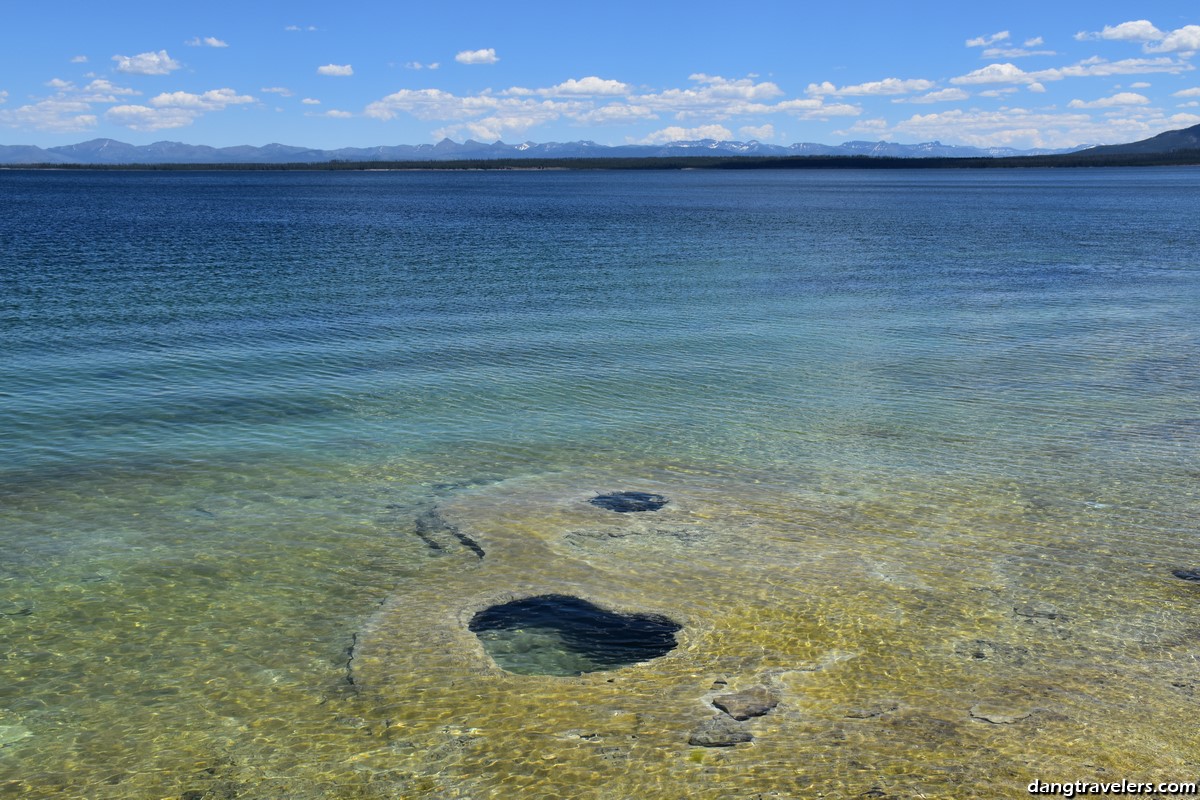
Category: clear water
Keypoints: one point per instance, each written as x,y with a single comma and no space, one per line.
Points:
929,441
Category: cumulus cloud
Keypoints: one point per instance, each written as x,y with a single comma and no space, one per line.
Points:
144,118
103,91
59,83
590,85
207,41
295,28
487,56
1139,30
3,96
994,73
1193,92
336,70
887,86
79,60
147,63
419,65
1024,128
1139,85
678,134
711,100
615,112
54,115
311,101
984,41
940,96
1036,41
1011,73
173,109
212,100
337,114
279,90
1153,40
1119,99
759,132
1183,40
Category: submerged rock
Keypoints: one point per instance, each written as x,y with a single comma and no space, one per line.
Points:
999,715
1187,574
720,731
752,702
433,529
13,733
627,502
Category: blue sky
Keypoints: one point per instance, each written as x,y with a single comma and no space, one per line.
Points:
321,74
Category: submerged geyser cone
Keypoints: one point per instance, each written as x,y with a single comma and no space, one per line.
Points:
557,634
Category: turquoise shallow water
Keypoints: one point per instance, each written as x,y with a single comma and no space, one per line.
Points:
898,415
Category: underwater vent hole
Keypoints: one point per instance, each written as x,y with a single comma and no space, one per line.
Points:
555,634
627,502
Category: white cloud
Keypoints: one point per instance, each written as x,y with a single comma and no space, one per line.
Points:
54,115
144,118
79,60
59,83
103,91
994,73
760,132
940,96
1192,104
487,56
334,113
419,65
984,41
279,90
309,101
1180,40
294,28
1119,99
677,134
1183,40
336,70
590,85
491,115
147,63
1023,128
207,41
1140,30
887,86
1139,85
999,92
212,100
1036,87
615,112
868,127
1014,52
1036,41
715,98
3,96
1194,92
1011,73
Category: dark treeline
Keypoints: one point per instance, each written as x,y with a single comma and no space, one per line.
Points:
1080,159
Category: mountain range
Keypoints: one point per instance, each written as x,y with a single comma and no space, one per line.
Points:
110,151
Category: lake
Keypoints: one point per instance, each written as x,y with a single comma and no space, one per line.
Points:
927,440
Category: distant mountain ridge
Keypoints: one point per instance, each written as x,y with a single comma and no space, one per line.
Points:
1166,142
111,151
